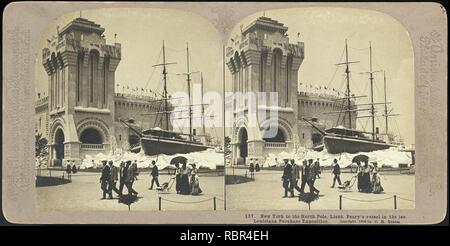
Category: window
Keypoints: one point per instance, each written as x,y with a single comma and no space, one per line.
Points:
276,68
288,65
93,61
79,75
105,79
262,63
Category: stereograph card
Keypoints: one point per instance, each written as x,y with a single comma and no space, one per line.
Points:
224,113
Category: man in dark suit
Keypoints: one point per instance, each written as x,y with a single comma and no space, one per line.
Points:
104,179
122,177
305,173
287,178
130,177
295,177
113,180
155,174
311,179
336,173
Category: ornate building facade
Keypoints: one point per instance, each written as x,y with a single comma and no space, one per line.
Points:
262,59
80,116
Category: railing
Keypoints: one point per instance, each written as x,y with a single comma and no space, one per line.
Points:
275,145
92,146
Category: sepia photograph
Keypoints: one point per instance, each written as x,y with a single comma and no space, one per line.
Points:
116,119
224,113
324,116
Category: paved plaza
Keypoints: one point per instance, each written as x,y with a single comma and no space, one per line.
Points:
265,193
84,194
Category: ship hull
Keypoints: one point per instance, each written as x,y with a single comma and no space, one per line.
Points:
341,144
155,146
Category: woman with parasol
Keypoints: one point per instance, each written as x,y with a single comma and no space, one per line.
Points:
177,161
184,178
358,159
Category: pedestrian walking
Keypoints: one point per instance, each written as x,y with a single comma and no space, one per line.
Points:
251,169
286,178
69,170
154,173
336,173
312,178
74,168
114,176
104,178
257,167
304,170
317,168
123,171
295,177
131,176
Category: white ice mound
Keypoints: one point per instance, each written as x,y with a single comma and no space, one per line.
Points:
390,157
204,159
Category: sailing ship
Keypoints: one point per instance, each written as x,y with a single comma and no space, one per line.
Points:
166,141
348,139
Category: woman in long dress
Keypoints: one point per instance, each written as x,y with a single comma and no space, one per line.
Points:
376,181
184,187
365,178
195,184
359,171
177,178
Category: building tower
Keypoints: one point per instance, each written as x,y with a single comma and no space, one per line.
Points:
261,59
81,69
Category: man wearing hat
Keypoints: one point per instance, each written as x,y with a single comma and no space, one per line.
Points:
154,174
311,179
68,170
129,180
113,179
304,170
295,177
336,173
123,171
104,179
287,178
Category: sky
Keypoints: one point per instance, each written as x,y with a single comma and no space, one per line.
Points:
323,31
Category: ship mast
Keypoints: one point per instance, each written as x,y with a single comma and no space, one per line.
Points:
372,108
203,107
348,94
189,91
165,94
385,107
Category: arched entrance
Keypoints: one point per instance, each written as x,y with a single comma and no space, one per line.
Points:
59,147
278,138
243,145
91,136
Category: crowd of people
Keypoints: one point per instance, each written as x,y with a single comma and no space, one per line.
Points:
186,179
368,177
125,174
306,173
71,168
